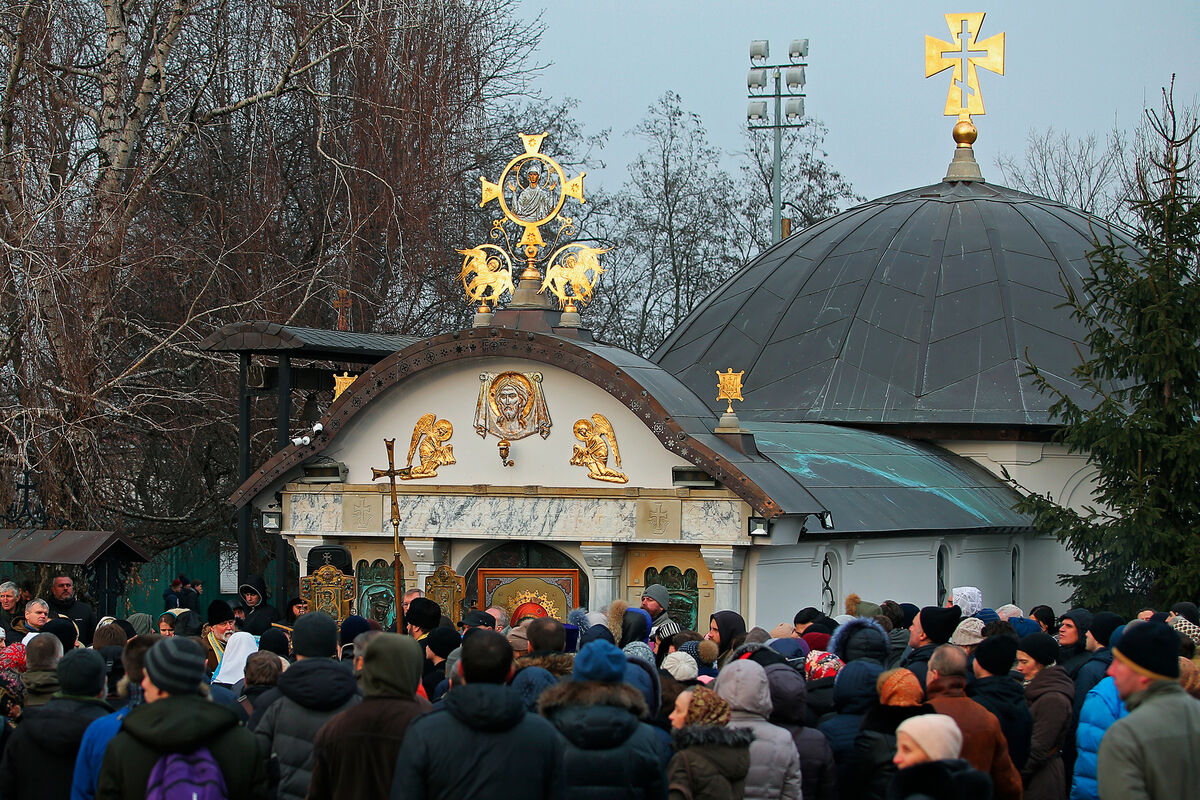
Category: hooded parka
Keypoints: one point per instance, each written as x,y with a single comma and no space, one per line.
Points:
1051,695
710,763
789,694
354,754
774,760
609,752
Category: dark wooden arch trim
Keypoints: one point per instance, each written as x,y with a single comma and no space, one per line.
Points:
251,336
476,342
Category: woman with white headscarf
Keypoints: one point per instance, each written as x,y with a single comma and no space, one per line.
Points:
241,646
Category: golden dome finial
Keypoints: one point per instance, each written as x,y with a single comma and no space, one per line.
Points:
965,133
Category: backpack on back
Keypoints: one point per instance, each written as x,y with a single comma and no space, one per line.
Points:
187,776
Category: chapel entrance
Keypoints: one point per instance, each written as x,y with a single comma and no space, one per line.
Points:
527,578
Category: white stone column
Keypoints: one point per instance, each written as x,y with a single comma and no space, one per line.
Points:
427,555
605,560
725,563
302,543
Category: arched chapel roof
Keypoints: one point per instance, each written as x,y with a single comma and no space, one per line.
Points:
916,308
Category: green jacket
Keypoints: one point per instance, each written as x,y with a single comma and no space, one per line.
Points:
1151,754
180,724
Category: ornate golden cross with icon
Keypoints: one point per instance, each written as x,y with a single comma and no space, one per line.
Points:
964,53
391,473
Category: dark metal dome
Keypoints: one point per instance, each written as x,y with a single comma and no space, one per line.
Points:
914,308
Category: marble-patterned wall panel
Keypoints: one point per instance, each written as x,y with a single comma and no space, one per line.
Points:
712,521
312,512
517,517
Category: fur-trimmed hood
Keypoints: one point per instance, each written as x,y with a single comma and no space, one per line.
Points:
860,638
593,715
616,615
710,736
560,665
572,694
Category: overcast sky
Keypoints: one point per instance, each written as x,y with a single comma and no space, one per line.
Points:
1073,65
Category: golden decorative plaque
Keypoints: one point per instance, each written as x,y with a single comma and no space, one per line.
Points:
328,590
729,387
511,406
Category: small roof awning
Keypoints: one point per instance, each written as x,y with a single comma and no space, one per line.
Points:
274,339
874,483
32,545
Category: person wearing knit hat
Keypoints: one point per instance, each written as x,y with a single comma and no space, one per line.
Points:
1034,653
656,601
931,627
968,635
900,698
857,607
65,630
1188,629
1151,752
995,690
986,615
681,666
1050,694
1096,641
176,718
173,666
607,748
928,767
307,694
40,753
1072,648
351,626
438,645
1189,677
927,737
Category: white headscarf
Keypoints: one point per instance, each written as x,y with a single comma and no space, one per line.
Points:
232,668
967,598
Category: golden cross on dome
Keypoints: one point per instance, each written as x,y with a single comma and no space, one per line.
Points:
964,53
729,387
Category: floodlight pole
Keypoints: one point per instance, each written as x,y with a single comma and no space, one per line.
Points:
778,126
777,164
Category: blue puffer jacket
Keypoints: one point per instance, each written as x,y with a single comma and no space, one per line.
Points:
1100,710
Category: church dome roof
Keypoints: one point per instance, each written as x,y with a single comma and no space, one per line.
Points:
915,308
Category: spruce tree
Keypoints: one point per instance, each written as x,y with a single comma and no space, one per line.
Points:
1140,543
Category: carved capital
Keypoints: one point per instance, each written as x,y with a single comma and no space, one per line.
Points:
603,556
426,554
724,561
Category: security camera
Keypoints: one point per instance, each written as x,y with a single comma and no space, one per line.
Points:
318,428
300,441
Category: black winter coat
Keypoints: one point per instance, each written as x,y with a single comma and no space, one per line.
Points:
917,661
260,617
313,691
854,696
789,693
1005,698
952,779
78,612
39,758
820,704
710,763
870,768
609,752
480,744
180,724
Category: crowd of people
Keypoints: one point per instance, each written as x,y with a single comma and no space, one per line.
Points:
885,701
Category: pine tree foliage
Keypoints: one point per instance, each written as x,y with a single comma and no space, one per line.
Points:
1140,543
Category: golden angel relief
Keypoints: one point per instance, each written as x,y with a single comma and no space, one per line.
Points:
597,437
429,444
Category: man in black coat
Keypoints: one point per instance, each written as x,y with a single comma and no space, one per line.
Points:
995,690
39,759
482,743
931,628
63,604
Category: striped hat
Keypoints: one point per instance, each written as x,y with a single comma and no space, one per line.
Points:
176,665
